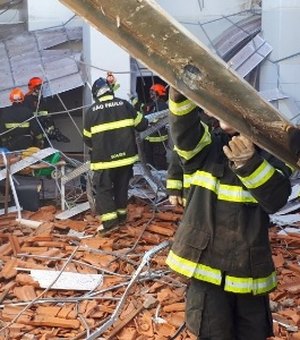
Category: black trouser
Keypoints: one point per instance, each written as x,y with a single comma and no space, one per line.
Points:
155,154
213,314
111,187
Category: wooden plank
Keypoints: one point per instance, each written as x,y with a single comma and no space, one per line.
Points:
156,39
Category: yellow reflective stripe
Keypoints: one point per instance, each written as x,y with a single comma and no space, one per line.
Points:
138,119
181,109
187,179
204,141
224,192
87,133
246,285
17,125
39,136
234,193
114,164
105,98
122,211
134,101
205,180
109,216
191,269
174,184
208,274
42,113
157,139
259,177
181,265
112,126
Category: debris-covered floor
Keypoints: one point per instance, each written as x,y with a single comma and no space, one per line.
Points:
119,286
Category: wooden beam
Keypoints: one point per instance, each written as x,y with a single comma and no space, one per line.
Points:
152,36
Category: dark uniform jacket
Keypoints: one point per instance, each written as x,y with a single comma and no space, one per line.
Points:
25,131
32,101
223,237
162,134
174,183
109,130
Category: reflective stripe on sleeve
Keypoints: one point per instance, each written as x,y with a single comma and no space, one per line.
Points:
181,109
157,139
138,119
204,141
17,125
224,192
259,177
174,184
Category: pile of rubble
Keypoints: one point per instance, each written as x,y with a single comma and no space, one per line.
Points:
61,280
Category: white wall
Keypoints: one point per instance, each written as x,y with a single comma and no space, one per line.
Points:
193,9
102,55
280,27
46,13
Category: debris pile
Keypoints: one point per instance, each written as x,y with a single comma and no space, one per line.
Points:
61,280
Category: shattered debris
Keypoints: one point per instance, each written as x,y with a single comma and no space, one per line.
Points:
136,297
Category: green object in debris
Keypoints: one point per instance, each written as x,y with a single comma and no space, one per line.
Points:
52,159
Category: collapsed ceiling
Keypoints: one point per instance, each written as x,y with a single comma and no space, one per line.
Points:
50,54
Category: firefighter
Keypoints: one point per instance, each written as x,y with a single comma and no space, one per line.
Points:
178,183
109,131
19,130
222,244
156,143
35,101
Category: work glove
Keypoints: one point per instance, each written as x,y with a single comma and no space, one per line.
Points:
239,150
176,200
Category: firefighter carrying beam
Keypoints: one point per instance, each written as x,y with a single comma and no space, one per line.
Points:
222,244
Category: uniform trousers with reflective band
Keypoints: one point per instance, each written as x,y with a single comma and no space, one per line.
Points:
155,154
111,187
213,314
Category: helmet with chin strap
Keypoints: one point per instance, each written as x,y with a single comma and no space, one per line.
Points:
101,88
16,96
159,89
34,83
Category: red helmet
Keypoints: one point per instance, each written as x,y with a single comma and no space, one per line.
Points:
159,89
16,96
34,82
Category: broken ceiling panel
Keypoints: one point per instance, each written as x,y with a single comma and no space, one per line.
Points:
63,84
236,34
250,56
50,38
25,55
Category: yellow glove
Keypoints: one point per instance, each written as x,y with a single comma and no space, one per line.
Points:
239,150
175,200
